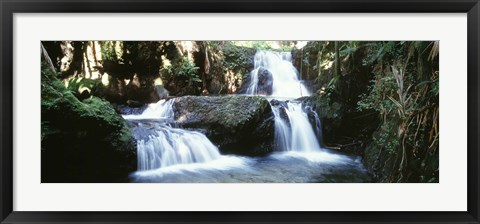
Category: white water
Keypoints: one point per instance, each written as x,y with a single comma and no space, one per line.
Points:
177,155
159,110
278,167
174,146
318,124
294,133
169,146
284,74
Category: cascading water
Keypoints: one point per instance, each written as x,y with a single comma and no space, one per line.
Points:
159,110
293,131
318,124
168,154
160,145
172,146
275,75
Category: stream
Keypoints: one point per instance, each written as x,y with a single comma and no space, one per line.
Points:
169,154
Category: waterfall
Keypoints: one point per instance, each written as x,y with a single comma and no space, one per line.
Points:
172,146
275,75
318,124
283,133
160,145
160,110
173,155
293,130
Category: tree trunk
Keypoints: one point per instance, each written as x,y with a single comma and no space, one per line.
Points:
337,59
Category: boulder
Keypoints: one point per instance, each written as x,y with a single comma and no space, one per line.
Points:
237,124
265,82
330,115
82,141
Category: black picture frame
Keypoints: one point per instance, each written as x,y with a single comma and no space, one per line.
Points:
9,7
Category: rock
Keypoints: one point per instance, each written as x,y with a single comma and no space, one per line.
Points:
330,115
82,141
127,110
135,103
237,124
161,91
265,82
282,109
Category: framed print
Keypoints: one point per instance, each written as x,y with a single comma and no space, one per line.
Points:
263,112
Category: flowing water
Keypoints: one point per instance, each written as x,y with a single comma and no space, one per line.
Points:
159,110
279,167
170,154
283,75
161,145
293,131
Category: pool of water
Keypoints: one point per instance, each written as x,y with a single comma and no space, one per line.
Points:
279,167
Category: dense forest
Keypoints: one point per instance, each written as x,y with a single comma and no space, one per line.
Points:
375,103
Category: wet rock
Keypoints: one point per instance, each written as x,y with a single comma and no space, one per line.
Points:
330,115
126,110
237,124
135,103
265,82
282,105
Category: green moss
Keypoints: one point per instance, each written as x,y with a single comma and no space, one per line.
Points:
239,124
230,111
101,110
323,106
57,98
236,60
237,112
82,140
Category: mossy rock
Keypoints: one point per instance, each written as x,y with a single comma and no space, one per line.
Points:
82,141
237,124
330,114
